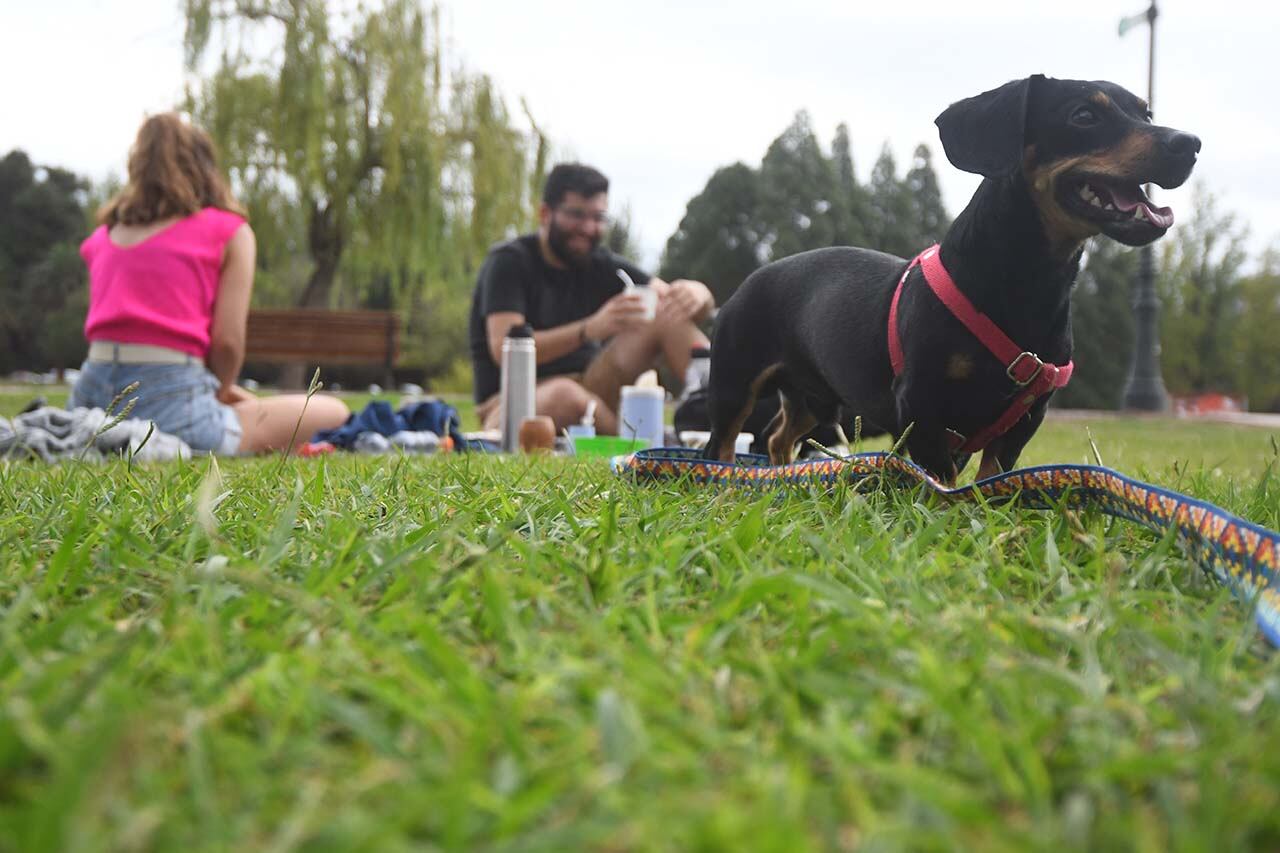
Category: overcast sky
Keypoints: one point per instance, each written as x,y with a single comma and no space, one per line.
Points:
659,94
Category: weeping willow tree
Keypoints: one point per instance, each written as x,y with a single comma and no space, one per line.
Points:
373,175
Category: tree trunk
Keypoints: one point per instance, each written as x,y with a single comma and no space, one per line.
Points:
327,239
292,376
319,285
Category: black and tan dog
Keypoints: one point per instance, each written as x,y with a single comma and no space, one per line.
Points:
980,329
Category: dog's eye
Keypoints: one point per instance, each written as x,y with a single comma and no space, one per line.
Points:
1084,117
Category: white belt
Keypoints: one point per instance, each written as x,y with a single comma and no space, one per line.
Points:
137,354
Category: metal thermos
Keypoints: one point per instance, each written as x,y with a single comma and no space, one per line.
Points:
519,381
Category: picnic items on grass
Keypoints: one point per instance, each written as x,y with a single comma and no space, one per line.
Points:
378,418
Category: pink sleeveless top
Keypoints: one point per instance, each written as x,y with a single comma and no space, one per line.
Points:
160,291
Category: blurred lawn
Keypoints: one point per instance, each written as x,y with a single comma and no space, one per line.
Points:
1156,449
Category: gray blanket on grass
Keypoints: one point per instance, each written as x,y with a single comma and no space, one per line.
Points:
54,434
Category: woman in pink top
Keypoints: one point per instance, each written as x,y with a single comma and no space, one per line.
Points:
170,276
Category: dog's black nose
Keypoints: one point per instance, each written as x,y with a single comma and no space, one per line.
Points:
1183,143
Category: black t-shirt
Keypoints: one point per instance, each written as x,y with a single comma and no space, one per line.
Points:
515,277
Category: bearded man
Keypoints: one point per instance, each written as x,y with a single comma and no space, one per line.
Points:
592,335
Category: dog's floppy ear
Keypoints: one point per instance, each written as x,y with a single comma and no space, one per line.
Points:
985,134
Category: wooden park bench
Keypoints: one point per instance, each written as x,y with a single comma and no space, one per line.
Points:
316,337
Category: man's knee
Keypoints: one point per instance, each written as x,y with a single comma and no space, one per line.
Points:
673,328
561,388
563,399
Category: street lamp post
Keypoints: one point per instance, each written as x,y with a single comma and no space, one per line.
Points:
1144,389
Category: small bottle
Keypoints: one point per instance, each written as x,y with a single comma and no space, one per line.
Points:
698,374
519,380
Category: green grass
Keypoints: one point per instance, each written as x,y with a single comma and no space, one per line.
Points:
480,653
13,398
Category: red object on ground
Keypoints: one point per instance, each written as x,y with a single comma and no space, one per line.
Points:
316,448
1206,404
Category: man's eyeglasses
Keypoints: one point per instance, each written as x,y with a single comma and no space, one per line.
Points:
578,215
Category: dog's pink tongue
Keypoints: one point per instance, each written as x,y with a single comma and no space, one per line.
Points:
1162,216
1128,198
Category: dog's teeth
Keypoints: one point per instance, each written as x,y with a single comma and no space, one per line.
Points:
1086,193
1140,212
1095,201
1109,206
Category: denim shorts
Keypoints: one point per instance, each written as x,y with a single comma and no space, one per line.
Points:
178,398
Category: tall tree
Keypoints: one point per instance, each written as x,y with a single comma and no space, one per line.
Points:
1102,323
51,308
42,279
388,170
797,186
1199,284
851,209
1257,346
344,126
621,238
892,212
719,240
929,219
39,207
489,200
801,199
372,175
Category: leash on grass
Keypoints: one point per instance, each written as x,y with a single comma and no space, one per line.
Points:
1243,555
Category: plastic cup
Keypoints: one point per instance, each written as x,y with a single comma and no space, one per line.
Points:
650,297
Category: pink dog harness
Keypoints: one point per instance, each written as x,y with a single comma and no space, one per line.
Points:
1034,378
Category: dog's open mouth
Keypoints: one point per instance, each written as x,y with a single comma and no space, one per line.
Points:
1107,201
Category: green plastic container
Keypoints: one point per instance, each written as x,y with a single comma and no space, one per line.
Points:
607,445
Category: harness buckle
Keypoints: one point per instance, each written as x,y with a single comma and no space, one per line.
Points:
1013,368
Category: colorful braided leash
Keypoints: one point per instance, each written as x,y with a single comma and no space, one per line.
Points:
1239,553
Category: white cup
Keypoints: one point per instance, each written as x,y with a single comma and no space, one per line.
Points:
650,297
